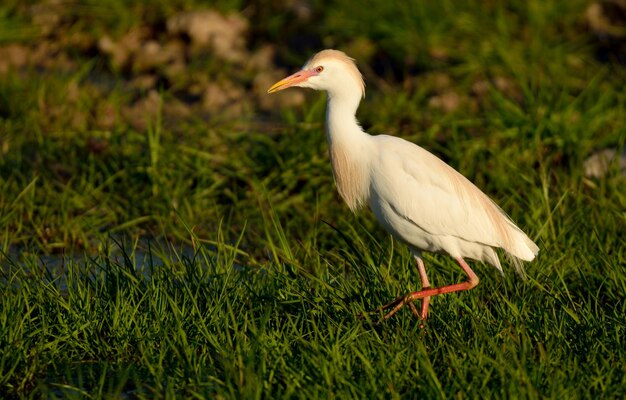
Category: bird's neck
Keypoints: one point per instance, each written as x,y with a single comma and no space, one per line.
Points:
349,149
341,122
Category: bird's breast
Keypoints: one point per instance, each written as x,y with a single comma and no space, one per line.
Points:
351,176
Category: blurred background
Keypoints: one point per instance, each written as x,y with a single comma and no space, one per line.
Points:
126,117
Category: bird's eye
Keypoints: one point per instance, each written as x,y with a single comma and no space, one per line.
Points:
319,69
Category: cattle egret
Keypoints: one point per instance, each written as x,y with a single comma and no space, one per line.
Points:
414,195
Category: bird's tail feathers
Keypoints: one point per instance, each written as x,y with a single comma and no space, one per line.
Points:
520,248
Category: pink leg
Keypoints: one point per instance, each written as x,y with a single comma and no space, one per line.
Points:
425,293
425,285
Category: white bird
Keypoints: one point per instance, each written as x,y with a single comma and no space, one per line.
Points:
414,195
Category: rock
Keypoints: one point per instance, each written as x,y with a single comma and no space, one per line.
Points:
221,96
47,16
600,163
607,18
121,53
144,81
262,59
13,56
152,55
225,35
447,101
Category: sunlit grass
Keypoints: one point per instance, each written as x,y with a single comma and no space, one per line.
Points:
149,319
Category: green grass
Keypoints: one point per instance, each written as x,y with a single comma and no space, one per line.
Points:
207,257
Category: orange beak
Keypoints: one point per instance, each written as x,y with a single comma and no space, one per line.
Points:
292,80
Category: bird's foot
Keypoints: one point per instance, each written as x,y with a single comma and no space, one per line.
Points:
397,304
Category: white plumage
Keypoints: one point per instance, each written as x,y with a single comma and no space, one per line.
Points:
415,196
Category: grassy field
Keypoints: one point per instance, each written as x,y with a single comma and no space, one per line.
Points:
158,242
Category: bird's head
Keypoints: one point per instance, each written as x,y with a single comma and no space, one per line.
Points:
329,70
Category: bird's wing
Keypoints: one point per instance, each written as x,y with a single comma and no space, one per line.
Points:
426,191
